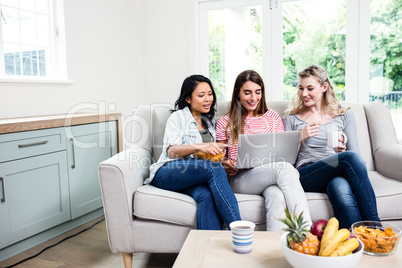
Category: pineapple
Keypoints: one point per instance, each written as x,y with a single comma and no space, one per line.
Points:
299,238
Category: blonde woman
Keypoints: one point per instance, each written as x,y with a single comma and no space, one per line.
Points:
341,173
277,182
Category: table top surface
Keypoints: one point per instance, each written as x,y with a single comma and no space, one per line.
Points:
214,249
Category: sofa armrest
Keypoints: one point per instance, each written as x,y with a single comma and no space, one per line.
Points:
120,176
387,151
388,159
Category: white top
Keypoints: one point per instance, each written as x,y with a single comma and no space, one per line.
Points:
181,129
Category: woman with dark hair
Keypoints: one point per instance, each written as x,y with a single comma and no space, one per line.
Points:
278,182
189,129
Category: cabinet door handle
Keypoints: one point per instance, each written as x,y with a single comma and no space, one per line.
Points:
32,144
72,143
3,199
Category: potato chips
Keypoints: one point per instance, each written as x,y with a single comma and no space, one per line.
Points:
215,158
376,240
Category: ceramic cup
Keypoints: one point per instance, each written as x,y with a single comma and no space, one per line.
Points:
333,138
242,236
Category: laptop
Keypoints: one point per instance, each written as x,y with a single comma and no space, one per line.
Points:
258,149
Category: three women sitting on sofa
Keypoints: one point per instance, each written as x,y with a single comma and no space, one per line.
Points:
191,128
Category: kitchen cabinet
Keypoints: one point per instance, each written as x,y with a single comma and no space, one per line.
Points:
88,146
48,172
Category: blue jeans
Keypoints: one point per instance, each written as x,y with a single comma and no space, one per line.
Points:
344,178
195,177
208,217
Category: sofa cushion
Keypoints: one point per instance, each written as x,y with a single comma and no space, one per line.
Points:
363,135
389,196
388,193
252,208
319,205
160,114
152,203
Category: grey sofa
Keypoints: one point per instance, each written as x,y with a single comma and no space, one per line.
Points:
143,218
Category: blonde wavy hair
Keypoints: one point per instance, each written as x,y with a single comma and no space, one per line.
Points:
237,112
329,104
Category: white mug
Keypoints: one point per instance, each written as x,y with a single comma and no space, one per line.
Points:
333,138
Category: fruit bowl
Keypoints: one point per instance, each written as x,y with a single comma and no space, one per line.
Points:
377,239
297,259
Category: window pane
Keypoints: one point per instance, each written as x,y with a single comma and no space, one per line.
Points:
12,59
10,3
28,45
235,44
43,30
11,27
29,61
385,57
314,33
42,61
28,28
42,6
27,5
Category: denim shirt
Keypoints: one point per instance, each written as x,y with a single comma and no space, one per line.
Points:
181,129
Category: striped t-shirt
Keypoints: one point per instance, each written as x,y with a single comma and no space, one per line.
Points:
268,122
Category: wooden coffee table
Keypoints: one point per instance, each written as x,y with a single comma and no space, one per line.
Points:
214,249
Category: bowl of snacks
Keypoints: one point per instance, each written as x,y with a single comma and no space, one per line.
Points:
379,238
336,248
215,158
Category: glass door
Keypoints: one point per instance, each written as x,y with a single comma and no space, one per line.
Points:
231,41
314,32
279,38
385,57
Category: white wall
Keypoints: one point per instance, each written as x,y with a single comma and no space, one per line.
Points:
121,52
103,47
168,48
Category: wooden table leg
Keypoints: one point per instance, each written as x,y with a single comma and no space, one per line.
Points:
128,260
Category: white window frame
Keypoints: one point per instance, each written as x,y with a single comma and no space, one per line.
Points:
57,69
357,45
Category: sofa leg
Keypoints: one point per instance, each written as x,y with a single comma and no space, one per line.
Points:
128,260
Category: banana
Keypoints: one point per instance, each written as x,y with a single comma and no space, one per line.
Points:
334,241
330,229
345,247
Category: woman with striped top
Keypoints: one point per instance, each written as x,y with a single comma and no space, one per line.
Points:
278,182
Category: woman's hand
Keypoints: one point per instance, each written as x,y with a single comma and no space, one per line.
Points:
212,148
309,130
341,147
229,167
180,151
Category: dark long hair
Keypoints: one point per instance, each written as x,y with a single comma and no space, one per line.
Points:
237,112
189,84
